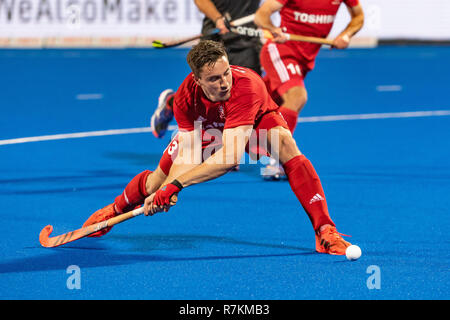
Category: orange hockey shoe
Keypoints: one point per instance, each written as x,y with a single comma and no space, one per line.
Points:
330,241
99,216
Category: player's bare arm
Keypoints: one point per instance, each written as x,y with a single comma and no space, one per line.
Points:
356,23
222,161
210,10
262,20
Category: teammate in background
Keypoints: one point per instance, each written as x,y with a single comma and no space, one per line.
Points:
234,102
287,63
242,50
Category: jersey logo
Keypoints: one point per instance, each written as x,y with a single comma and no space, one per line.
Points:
313,18
336,2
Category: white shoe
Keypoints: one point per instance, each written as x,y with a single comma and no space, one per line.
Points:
273,171
162,116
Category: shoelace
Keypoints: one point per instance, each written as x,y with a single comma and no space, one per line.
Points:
331,233
335,233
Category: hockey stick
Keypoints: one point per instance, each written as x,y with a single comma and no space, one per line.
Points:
238,22
162,45
51,242
259,33
297,37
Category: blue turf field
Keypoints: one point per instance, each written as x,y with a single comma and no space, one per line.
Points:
387,183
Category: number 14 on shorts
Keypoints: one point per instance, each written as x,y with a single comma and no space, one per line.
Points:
294,69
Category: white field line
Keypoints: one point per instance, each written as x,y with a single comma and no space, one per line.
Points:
367,116
75,135
389,88
391,115
89,96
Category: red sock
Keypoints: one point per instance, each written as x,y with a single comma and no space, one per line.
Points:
290,116
134,193
306,185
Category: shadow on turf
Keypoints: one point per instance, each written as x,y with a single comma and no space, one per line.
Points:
66,183
90,253
76,183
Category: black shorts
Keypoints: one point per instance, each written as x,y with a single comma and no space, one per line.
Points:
245,57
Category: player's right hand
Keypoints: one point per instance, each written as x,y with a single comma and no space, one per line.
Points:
342,41
278,35
150,208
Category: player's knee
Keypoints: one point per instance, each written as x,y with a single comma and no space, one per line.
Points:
154,180
288,147
286,140
296,98
282,143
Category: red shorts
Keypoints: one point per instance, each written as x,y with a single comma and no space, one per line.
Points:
256,148
283,68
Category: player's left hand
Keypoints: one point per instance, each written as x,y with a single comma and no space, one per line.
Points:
221,25
341,41
161,200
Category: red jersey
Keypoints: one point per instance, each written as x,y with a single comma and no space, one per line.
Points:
248,102
309,18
